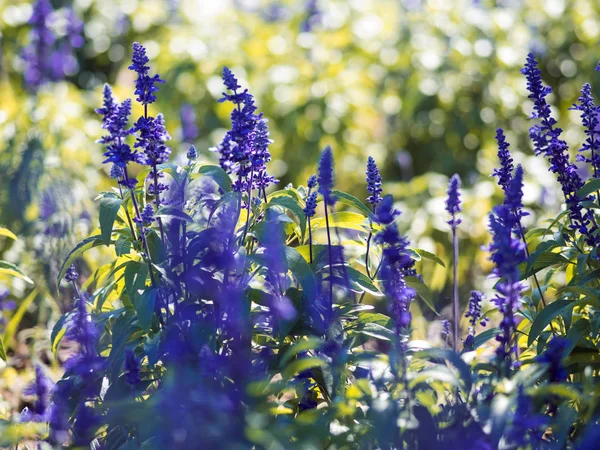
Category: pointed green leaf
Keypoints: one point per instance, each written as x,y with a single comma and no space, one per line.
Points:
80,249
11,269
589,187
7,233
422,291
350,200
109,208
144,307
218,175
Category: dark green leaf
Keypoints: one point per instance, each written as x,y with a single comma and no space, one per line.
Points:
592,185
218,175
291,204
109,208
301,270
436,354
80,249
350,200
171,212
360,282
144,307
2,350
11,269
422,291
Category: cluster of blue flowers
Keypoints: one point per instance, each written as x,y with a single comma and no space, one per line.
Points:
244,150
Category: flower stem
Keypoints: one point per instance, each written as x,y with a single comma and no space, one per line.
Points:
455,309
330,261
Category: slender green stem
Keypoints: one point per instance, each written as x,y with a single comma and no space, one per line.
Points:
330,261
455,301
309,241
367,255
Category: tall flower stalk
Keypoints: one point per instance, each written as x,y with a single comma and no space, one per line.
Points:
309,210
374,188
152,132
325,180
453,208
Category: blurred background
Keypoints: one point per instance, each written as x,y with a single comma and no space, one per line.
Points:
420,85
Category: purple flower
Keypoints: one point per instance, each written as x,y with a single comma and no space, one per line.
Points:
244,149
445,328
373,182
589,116
71,274
453,201
313,16
189,129
507,253
312,182
40,388
311,205
325,176
151,138
81,329
147,216
474,310
546,138
504,173
192,153
395,262
145,85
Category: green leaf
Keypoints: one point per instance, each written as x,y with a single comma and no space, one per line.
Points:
311,343
437,354
301,270
123,246
2,350
592,185
345,219
144,307
80,249
218,175
109,208
360,282
376,331
11,269
485,336
290,203
543,261
350,200
172,212
58,331
549,313
301,365
16,318
422,291
428,255
7,233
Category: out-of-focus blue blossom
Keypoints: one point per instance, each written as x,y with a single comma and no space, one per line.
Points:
312,182
189,129
40,388
38,54
504,173
325,176
312,16
58,419
386,213
116,172
453,200
74,29
553,357
589,116
373,182
84,426
311,205
82,330
4,304
546,138
474,310
145,85
132,368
